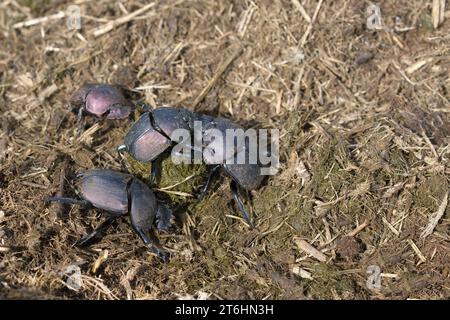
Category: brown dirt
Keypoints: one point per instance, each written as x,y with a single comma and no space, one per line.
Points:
362,142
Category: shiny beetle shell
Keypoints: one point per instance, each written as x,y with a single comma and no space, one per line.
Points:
119,193
169,119
217,151
247,175
105,189
144,142
143,205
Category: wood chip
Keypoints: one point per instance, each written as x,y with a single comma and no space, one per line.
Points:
391,227
416,66
40,20
34,185
393,190
435,217
3,147
309,249
47,92
310,26
107,27
358,229
87,136
442,12
302,273
438,13
389,275
25,80
435,13
417,251
101,258
247,16
302,10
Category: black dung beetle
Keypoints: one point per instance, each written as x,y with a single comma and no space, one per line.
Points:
151,135
119,194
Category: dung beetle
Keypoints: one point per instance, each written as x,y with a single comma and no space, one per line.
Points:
119,194
152,134
101,100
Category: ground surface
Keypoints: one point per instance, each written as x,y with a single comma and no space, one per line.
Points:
364,122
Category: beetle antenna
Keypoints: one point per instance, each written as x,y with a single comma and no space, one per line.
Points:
234,190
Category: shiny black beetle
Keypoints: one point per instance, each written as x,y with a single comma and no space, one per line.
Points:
101,100
152,134
119,194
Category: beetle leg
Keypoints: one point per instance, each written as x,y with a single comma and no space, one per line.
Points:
152,244
163,218
240,204
97,233
64,200
155,171
211,175
79,122
142,208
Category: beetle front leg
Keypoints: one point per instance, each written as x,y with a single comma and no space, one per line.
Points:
240,204
152,244
96,234
211,175
65,200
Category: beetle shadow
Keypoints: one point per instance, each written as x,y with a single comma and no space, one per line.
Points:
178,211
180,215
